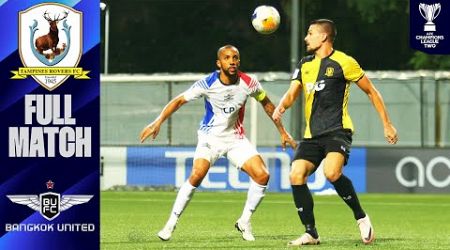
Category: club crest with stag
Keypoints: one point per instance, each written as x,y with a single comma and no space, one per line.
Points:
45,46
50,44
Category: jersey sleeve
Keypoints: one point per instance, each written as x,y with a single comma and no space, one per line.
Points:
257,91
352,71
297,74
196,91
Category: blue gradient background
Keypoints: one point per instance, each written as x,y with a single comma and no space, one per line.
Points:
70,175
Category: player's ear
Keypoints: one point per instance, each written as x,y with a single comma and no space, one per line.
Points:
324,37
218,64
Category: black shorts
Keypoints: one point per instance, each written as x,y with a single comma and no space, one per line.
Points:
316,149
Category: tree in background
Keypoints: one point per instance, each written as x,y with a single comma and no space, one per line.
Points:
373,11
182,35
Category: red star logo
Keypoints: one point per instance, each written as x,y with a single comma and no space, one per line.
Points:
50,184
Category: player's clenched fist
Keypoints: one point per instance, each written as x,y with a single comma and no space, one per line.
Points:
390,133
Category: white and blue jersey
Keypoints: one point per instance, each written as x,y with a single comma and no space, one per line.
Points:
224,104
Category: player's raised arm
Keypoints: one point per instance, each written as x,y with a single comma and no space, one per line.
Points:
287,100
285,136
390,133
152,129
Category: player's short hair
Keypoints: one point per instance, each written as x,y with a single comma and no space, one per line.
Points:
328,26
228,46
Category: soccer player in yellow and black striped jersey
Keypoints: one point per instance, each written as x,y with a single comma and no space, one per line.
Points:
325,77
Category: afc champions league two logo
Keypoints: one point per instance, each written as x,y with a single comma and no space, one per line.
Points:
429,12
50,44
428,32
49,204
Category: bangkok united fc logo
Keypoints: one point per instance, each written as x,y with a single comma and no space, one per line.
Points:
50,44
49,204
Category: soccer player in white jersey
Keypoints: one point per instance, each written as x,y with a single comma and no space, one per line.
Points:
221,133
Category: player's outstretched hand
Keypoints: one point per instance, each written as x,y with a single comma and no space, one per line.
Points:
150,130
287,138
390,133
278,113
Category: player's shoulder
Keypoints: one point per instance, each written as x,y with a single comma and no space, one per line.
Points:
351,69
342,57
247,79
208,80
306,59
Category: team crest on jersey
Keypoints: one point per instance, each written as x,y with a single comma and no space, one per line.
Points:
50,44
329,71
49,204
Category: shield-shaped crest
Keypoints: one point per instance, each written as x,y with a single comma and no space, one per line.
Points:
50,205
50,42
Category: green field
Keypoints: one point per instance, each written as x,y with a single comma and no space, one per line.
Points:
130,220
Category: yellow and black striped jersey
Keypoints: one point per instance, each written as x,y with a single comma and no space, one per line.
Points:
326,85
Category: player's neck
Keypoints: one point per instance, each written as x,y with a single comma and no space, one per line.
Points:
324,51
228,80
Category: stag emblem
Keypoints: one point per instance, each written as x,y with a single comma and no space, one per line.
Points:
51,40
46,49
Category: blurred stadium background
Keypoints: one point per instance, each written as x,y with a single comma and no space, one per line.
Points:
155,49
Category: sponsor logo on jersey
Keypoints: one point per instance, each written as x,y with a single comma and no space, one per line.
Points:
317,86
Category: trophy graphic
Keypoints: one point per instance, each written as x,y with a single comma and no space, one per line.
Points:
429,12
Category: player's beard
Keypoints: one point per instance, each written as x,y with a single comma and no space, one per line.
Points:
310,50
231,72
232,75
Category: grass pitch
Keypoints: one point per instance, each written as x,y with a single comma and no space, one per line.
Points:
130,220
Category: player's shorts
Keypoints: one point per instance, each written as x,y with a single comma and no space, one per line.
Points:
316,149
237,151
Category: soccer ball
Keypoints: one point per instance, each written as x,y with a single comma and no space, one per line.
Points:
265,19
